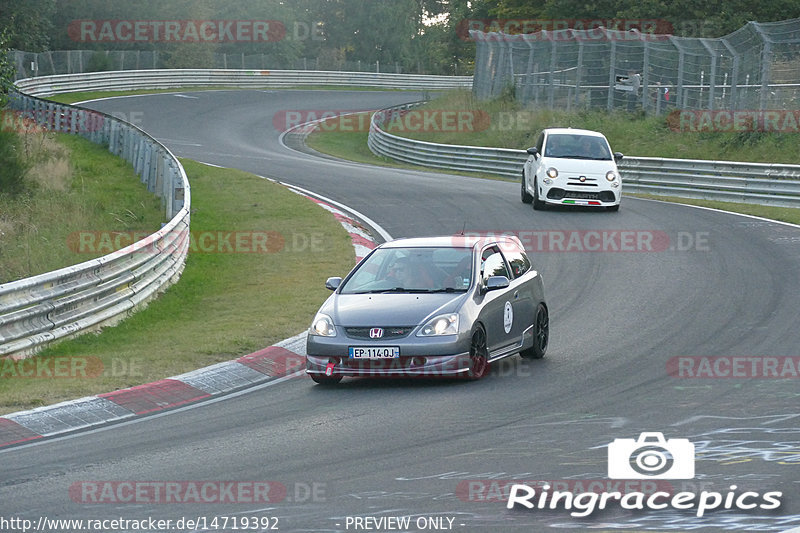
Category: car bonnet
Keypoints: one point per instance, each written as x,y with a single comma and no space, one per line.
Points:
391,309
580,166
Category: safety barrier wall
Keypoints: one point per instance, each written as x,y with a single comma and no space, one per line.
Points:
166,79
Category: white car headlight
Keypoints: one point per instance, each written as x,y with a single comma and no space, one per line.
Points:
552,172
611,175
323,326
440,325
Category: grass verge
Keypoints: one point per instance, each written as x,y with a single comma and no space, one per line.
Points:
225,305
504,123
71,187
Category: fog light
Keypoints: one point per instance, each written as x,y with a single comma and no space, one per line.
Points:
417,361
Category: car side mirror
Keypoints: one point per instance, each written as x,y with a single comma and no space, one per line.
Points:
533,151
618,156
497,282
333,283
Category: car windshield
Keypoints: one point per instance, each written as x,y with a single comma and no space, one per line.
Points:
575,146
418,269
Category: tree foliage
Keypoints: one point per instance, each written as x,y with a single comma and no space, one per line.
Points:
417,35
28,23
6,67
714,18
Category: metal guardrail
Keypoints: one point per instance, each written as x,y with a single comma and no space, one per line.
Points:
730,181
55,305
502,161
167,79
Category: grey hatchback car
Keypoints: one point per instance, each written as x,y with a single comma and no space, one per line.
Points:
437,306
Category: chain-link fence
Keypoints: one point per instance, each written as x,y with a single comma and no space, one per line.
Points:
30,64
757,67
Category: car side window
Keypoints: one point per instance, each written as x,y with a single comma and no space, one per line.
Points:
553,147
493,264
540,142
519,261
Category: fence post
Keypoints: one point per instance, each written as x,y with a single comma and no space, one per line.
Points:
578,73
612,73
712,78
766,57
526,91
646,75
551,94
680,94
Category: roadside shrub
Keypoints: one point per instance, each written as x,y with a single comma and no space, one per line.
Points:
12,164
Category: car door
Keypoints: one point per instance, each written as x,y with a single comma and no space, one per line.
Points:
521,290
496,305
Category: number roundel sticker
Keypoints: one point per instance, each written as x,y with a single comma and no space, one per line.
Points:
508,317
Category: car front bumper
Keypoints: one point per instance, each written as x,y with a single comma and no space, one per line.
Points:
576,196
419,357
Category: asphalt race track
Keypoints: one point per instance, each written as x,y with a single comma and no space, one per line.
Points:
697,283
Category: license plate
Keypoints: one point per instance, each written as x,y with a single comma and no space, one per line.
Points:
374,352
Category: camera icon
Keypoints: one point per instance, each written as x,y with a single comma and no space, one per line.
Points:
651,457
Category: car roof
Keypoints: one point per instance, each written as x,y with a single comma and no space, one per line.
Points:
573,131
451,241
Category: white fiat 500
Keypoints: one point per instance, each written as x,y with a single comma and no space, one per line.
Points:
571,167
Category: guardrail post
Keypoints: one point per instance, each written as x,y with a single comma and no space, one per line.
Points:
112,136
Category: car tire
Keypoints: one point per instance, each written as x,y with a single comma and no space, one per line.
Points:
525,195
538,205
478,355
541,335
325,380
613,207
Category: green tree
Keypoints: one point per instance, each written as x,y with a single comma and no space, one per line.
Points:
28,23
7,68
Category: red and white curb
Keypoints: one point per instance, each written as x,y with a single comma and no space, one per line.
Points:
362,240
274,362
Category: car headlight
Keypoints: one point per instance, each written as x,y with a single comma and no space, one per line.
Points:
611,175
323,326
440,325
552,172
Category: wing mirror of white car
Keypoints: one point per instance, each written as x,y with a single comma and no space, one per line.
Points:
618,156
497,282
533,151
333,283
